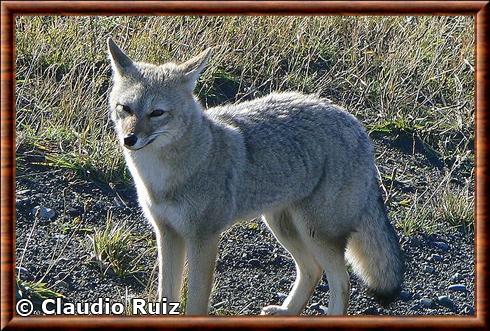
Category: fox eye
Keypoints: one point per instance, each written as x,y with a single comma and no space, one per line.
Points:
157,112
123,108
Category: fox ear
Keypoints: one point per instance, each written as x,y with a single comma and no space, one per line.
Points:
121,63
192,68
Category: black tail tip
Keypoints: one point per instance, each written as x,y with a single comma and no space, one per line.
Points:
385,298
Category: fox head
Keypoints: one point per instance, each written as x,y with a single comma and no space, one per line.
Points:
152,104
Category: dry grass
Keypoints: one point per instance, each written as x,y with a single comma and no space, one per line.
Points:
410,74
112,249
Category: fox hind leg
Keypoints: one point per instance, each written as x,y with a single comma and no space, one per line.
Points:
330,254
308,271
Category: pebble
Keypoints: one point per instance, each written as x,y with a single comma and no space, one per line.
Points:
445,301
44,212
21,271
281,296
429,269
323,287
370,311
435,258
254,263
74,211
278,260
405,296
415,308
426,302
457,287
22,192
21,201
468,310
63,285
441,245
315,306
416,242
418,287
323,309
456,277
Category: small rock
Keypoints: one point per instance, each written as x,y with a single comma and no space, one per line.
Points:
315,306
60,236
456,277
21,200
416,241
22,192
74,211
426,302
21,271
323,309
445,301
415,307
457,288
468,310
43,212
405,296
442,246
281,296
254,263
429,269
278,260
435,258
370,311
63,285
323,287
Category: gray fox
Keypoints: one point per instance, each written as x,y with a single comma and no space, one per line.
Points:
303,164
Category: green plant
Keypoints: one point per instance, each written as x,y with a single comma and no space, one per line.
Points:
112,249
35,291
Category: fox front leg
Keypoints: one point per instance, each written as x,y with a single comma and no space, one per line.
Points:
171,255
201,259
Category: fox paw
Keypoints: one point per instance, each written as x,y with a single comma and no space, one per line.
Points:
274,310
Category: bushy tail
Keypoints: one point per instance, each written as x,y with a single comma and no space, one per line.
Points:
374,252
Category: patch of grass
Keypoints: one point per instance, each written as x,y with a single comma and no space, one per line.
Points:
252,225
113,249
417,218
73,224
410,73
450,207
224,312
34,291
456,207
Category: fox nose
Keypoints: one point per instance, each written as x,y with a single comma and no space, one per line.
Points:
130,139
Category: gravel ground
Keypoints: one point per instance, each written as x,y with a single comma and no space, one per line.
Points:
253,270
